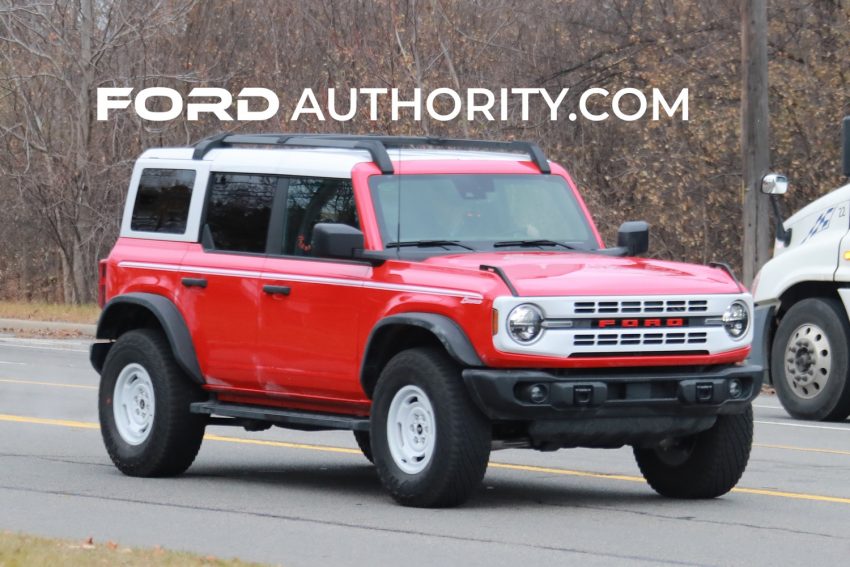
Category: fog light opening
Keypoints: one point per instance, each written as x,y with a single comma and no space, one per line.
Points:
736,388
537,393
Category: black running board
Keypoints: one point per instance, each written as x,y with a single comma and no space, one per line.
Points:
285,418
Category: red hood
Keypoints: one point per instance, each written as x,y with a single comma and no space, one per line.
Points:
570,273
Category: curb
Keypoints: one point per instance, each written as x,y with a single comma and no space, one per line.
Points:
27,325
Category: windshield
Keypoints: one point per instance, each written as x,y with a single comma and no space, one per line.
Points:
480,211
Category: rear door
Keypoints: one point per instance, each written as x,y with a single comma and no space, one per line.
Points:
221,277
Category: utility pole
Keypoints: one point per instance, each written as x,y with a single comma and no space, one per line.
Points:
754,135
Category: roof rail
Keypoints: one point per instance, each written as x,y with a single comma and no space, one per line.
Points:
375,145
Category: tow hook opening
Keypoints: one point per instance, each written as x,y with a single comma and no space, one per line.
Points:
705,392
583,395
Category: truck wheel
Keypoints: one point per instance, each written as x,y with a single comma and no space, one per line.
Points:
365,444
809,360
430,442
144,407
705,465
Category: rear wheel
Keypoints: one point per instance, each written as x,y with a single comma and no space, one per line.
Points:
809,360
143,406
705,465
430,442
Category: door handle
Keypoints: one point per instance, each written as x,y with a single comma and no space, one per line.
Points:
276,289
194,282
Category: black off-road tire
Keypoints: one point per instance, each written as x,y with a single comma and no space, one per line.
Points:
461,443
175,435
707,465
365,444
808,400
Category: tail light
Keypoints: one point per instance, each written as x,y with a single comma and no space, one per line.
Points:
101,283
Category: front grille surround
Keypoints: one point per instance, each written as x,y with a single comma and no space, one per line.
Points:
569,328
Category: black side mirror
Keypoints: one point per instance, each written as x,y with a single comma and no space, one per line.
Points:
633,236
332,240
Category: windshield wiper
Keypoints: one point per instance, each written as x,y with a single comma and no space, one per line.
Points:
427,244
530,243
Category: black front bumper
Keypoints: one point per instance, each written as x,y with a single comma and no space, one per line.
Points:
504,395
610,409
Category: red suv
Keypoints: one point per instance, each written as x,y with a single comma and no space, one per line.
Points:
439,298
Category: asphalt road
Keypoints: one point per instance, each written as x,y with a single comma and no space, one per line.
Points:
311,499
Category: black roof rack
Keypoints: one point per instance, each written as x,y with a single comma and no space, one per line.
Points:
375,145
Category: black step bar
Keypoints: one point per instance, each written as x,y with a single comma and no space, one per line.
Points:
286,418
375,145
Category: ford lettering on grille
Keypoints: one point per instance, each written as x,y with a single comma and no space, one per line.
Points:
662,322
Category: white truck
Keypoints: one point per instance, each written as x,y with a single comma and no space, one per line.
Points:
802,301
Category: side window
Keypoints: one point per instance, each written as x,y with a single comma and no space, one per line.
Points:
238,211
312,200
162,200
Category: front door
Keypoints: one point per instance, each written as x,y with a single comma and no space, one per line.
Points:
309,307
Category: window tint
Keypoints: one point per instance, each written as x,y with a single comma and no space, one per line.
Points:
314,200
238,211
162,201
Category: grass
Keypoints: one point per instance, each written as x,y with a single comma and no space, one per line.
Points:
28,551
38,311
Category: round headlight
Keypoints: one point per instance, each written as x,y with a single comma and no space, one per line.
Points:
736,319
525,323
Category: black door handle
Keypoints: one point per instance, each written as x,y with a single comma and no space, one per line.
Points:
194,282
276,289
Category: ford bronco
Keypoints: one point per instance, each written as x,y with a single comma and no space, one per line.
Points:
439,298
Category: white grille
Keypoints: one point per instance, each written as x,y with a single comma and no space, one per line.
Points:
608,338
637,307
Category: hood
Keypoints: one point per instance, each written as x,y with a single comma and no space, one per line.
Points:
571,273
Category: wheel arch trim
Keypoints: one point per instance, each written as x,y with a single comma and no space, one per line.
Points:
167,315
449,333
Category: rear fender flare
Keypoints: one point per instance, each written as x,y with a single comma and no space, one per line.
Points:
113,322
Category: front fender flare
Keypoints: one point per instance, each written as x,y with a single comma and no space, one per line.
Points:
444,329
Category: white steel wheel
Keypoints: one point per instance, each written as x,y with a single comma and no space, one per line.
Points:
411,429
133,404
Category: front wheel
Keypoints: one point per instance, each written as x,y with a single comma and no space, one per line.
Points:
705,465
809,360
143,405
365,444
430,442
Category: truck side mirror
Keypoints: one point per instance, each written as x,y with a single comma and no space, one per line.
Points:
774,184
332,240
633,236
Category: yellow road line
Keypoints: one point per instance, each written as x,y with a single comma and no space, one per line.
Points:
568,472
53,384
804,449
506,466
793,495
325,448
48,421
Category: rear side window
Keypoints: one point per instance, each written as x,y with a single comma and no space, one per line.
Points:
162,201
238,211
312,200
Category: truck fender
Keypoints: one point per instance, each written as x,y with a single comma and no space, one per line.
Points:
445,330
119,316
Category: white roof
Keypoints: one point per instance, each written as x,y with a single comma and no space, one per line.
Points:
325,162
